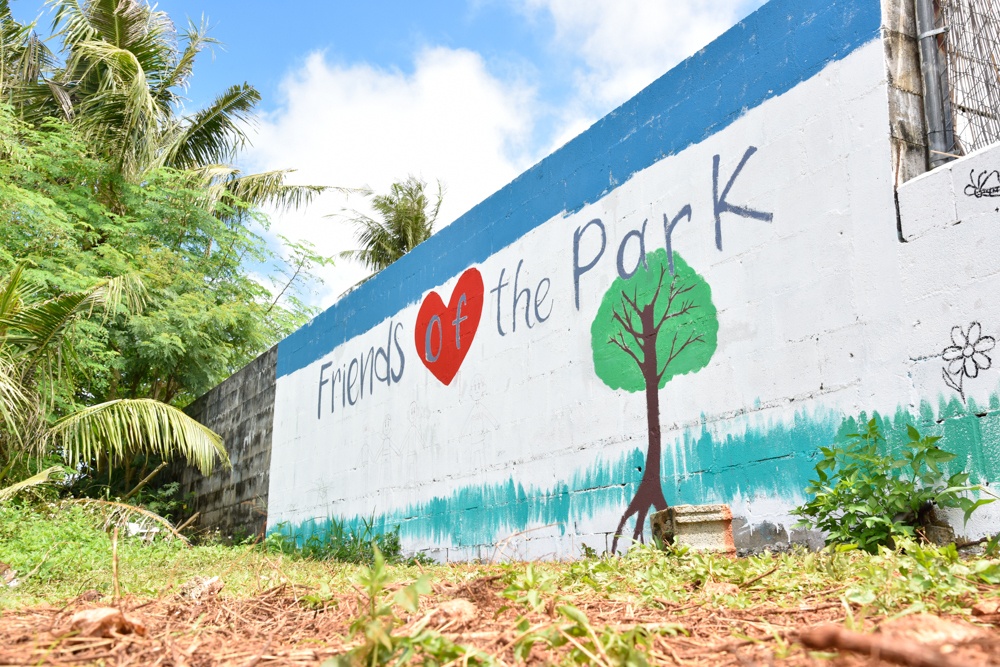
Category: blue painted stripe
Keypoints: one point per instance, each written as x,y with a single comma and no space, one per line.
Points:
777,47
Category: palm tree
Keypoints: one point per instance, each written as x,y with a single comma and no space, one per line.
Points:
126,69
406,218
35,350
23,56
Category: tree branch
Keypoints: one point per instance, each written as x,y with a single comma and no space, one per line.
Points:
671,297
634,304
628,326
659,285
674,354
625,348
667,315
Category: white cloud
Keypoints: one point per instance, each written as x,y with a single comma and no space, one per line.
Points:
451,118
625,45
354,125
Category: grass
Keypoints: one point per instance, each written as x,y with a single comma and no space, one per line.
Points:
60,551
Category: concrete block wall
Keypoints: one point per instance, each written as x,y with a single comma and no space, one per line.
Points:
907,126
680,306
241,410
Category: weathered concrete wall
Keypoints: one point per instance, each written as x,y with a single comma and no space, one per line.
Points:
241,410
679,306
907,126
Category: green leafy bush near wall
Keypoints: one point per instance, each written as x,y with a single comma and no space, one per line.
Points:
867,496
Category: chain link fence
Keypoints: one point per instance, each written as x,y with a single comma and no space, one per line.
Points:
971,46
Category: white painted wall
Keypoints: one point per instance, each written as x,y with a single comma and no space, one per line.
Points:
823,313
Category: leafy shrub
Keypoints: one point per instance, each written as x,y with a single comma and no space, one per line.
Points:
865,496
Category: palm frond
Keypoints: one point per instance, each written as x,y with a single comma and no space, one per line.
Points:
177,77
14,399
126,292
35,329
23,55
222,183
44,477
214,134
123,427
14,292
269,189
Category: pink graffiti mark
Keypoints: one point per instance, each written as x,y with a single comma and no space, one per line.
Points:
443,334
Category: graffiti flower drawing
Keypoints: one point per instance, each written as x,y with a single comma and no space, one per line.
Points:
967,356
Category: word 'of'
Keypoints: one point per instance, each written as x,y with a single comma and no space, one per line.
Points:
443,334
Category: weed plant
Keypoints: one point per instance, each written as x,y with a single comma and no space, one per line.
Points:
338,543
863,495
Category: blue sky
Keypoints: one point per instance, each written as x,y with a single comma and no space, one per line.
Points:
467,92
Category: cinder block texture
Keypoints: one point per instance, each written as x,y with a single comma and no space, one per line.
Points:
699,527
241,410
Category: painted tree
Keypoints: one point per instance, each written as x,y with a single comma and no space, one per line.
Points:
652,326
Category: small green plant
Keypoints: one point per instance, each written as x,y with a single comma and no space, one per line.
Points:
866,497
532,587
588,645
380,646
338,543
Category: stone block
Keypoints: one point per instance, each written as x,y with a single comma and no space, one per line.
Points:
699,527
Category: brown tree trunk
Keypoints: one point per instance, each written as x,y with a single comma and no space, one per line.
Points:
650,491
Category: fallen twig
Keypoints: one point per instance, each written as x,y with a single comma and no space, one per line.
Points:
145,480
826,637
187,523
114,567
747,584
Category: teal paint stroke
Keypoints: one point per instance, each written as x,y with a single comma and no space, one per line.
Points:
772,460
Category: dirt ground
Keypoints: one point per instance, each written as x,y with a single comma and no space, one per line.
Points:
278,627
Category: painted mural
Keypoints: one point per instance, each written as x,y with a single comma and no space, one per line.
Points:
656,321
679,306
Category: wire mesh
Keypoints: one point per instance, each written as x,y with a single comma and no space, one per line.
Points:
972,53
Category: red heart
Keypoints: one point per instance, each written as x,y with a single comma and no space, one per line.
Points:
443,335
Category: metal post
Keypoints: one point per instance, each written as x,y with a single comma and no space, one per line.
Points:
930,68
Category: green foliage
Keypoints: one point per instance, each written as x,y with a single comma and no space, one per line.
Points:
866,496
119,78
34,340
405,219
588,646
683,325
343,545
66,550
105,186
205,315
380,646
60,550
531,587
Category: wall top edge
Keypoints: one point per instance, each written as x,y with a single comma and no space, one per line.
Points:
782,44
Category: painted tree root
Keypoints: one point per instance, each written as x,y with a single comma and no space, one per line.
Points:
826,637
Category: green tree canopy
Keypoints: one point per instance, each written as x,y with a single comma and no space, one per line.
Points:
683,311
205,317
